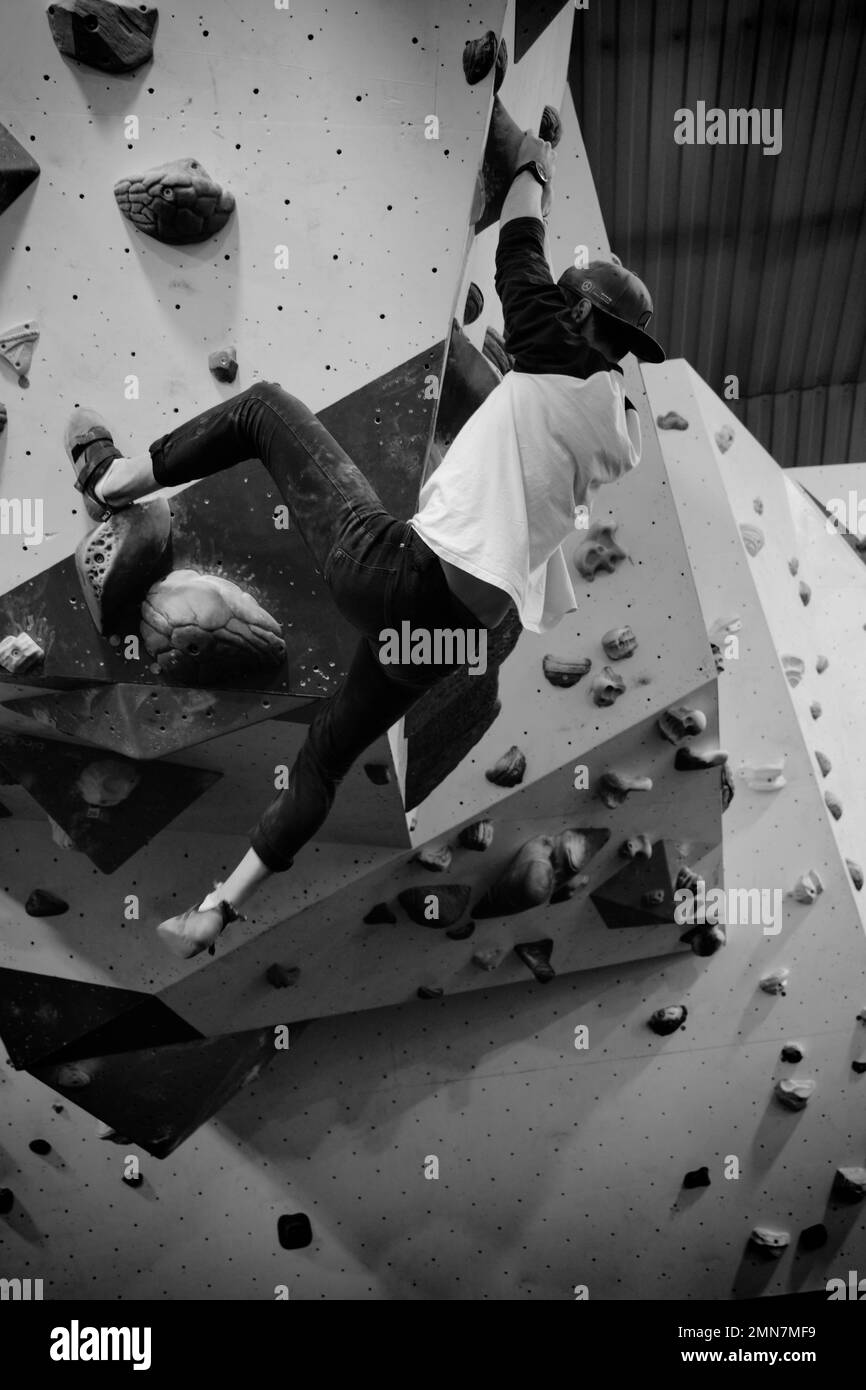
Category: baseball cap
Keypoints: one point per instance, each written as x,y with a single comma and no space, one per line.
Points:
619,294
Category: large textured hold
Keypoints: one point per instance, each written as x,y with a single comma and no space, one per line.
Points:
17,345
705,938
119,560
794,1093
18,169
508,770
201,626
112,38
294,1231
480,55
175,203
543,866
614,787
771,1245
638,847
559,670
19,653
599,551
434,905
43,903
849,1184
669,1019
536,954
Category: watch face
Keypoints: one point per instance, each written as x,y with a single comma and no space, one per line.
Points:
540,171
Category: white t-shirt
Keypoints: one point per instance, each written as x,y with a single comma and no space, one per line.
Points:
502,501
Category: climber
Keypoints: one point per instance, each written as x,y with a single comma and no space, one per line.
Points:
491,520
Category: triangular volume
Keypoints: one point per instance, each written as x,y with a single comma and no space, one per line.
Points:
17,344
41,1014
640,894
17,169
158,1096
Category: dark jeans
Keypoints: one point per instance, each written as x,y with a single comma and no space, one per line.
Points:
378,569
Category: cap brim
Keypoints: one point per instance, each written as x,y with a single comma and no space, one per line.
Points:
645,348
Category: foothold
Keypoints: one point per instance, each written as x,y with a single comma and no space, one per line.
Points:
856,873
40,1146
202,626
680,722
607,687
17,345
72,1076
815,710
132,1179
849,1184
805,593
450,901
794,565
543,866
727,787
771,1245
599,551
718,659
861,1017
562,672
474,304
776,982
42,903
859,1067
224,363
111,1136
480,55
119,560
59,835
107,782
508,770
638,847
669,1019
112,38
430,992
18,169
705,938
4,414
7,1200
176,203
378,914
833,804
793,1093
378,773
814,1237
792,1052
824,763
764,777
724,438
698,1177
758,505
654,898
614,787
489,958
671,421
821,664
753,537
794,668
439,860
536,954
282,976
619,643
478,836
807,887
19,653
699,760
462,932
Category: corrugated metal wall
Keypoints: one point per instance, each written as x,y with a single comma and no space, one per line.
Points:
756,262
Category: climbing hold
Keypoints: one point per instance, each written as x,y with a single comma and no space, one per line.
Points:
619,643
560,671
478,836
543,866
378,773
132,1179
859,1067
495,351
72,1076
224,363
758,505
489,957
698,1177
7,1200
202,626
807,887
794,667
17,345
508,770
824,763
821,664
176,203
462,932
727,787
480,55
119,560
112,38
474,304
764,777
724,438
110,1135
769,1244
793,1093
776,982
430,992
718,659
17,169
805,593
813,1237
753,537
40,1146
669,1019
792,1052
437,859
282,976
695,760
680,722
19,653
614,787
378,914
705,938
856,873
654,898
794,564
42,903
833,804
107,782
671,421
294,1232
449,902
4,414
607,687
638,847
536,954
598,551
849,1184
815,710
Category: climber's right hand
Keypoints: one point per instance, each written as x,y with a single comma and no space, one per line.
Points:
533,147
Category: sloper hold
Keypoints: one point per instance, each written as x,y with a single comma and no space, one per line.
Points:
435,905
177,203
110,37
43,903
120,559
543,866
17,169
205,628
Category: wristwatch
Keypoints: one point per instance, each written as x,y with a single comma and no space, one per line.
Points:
536,170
